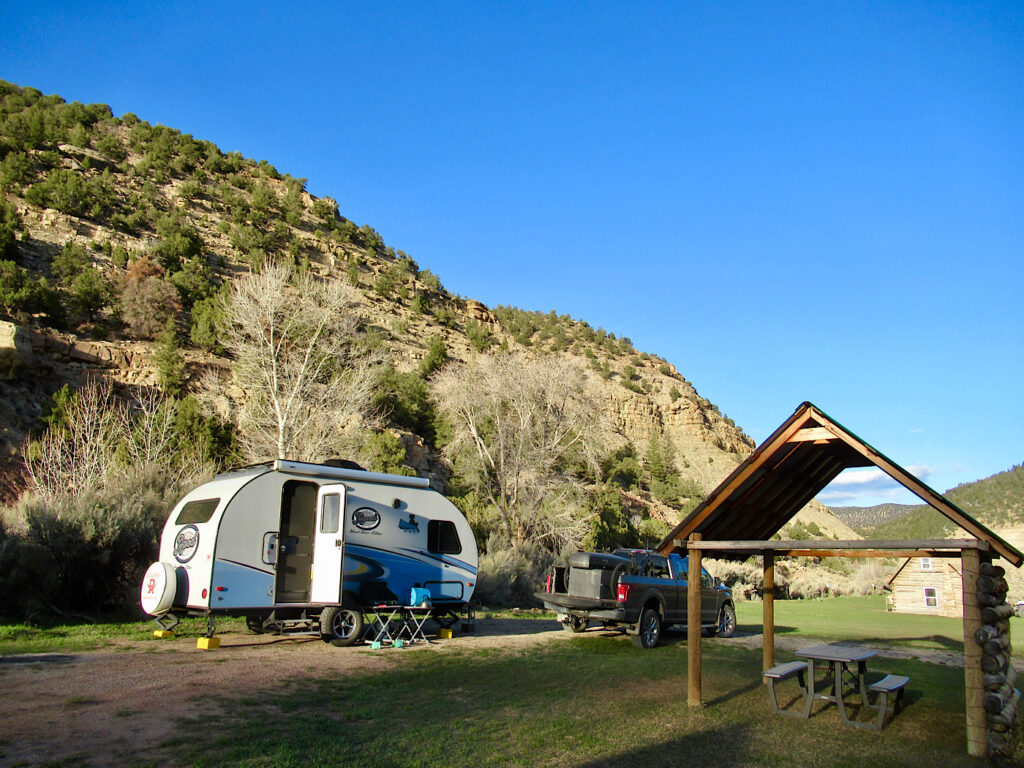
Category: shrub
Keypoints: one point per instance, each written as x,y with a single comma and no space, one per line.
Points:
10,223
69,263
509,577
433,359
479,335
178,241
91,292
610,526
206,315
147,305
404,398
20,294
385,452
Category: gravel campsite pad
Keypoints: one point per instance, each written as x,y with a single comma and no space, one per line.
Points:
114,706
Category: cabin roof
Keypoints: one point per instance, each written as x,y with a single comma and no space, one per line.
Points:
789,469
945,563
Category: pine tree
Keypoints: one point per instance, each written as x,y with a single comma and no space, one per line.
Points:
170,365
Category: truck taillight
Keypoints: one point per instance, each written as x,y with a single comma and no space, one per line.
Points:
622,593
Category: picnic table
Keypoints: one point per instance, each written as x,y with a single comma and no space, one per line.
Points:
839,660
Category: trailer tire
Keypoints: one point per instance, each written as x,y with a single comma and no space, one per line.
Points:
255,624
341,626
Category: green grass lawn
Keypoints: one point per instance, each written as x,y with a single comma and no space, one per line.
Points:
589,701
109,633
592,700
864,619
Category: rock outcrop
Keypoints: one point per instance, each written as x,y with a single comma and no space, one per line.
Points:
15,349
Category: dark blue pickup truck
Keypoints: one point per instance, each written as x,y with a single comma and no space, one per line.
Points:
640,590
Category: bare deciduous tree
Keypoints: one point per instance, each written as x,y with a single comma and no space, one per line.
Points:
516,423
303,379
102,438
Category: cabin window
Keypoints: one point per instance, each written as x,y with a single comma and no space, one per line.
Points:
197,511
331,513
931,599
442,538
926,563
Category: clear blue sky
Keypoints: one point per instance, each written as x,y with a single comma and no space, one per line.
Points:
801,201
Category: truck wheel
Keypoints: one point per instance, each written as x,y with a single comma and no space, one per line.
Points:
649,630
727,621
341,626
576,623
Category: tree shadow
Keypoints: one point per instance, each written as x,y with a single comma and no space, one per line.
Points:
721,747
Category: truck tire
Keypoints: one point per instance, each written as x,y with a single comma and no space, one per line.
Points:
726,621
341,626
576,623
649,629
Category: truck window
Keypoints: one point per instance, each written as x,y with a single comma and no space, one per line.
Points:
659,567
197,511
442,538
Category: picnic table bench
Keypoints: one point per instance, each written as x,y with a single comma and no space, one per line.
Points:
841,675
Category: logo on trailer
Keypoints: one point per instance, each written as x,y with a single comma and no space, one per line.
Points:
410,525
366,518
151,585
186,543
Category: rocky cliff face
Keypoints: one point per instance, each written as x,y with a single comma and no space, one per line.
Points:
239,211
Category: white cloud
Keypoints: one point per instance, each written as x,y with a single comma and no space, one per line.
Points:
867,487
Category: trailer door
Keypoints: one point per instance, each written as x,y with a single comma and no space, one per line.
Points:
329,545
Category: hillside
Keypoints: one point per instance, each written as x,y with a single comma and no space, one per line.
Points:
867,517
97,206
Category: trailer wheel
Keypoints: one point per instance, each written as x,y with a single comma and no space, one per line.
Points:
255,624
341,626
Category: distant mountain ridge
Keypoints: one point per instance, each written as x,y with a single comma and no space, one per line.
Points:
996,501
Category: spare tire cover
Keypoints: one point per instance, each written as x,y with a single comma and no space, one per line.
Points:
158,587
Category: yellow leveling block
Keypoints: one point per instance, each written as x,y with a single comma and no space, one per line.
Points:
162,633
208,643
444,634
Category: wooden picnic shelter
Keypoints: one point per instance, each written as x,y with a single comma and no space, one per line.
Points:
802,456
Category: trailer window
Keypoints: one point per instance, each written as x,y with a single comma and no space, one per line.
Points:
442,538
331,513
197,511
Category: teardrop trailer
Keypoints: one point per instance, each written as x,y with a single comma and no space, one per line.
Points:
293,546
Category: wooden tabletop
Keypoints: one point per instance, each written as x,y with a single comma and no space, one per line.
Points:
836,652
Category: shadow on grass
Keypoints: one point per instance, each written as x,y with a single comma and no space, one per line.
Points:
721,747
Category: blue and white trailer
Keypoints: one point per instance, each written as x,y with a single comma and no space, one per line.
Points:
292,545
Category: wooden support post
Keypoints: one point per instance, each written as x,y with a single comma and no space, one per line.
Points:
977,739
693,595
768,617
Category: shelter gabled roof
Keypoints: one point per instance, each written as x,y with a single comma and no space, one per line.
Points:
789,469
